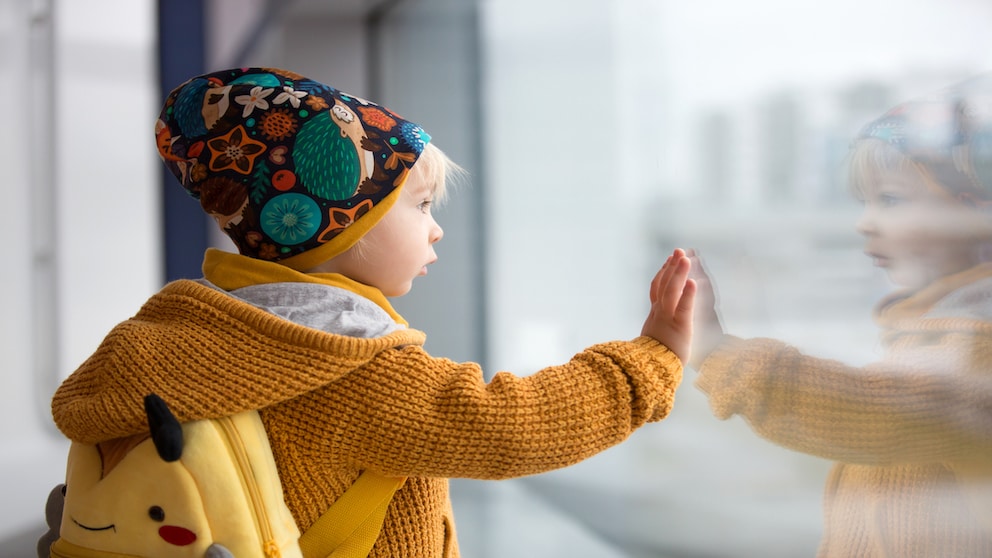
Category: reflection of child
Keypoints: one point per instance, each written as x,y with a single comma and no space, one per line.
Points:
912,433
328,198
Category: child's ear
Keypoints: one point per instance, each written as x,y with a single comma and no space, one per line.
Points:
971,200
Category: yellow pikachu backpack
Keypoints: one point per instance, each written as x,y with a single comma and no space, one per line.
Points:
204,489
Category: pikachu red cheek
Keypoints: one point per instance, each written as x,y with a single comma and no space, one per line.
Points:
179,536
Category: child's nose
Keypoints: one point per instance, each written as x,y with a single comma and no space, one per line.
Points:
436,233
866,222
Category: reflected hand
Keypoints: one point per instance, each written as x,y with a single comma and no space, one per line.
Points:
708,331
672,295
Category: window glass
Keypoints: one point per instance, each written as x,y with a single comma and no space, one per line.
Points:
617,131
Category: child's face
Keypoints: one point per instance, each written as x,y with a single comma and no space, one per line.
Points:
400,246
918,234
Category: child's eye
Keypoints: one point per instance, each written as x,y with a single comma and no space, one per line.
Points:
889,200
425,206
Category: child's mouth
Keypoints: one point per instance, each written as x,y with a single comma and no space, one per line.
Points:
878,259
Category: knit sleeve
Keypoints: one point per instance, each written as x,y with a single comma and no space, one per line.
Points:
407,413
927,402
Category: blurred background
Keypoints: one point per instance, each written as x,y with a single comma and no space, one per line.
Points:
599,135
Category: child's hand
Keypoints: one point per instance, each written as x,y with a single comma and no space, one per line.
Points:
706,321
672,295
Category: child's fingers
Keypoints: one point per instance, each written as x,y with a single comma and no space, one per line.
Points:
706,291
698,269
655,290
684,310
661,279
670,269
668,283
675,282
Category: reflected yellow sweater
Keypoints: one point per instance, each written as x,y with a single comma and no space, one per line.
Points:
911,434
334,405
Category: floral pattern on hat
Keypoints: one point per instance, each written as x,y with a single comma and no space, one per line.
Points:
282,162
949,133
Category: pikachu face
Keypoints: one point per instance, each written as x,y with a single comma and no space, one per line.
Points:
143,503
139,496
202,488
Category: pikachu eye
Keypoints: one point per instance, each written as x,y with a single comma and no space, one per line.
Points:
156,513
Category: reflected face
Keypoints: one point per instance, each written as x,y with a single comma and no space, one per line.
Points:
918,234
400,246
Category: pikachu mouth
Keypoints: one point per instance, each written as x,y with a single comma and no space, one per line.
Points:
88,528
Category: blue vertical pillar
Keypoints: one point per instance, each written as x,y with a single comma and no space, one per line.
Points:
182,54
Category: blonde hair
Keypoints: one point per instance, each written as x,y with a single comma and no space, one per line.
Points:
438,170
435,168
869,161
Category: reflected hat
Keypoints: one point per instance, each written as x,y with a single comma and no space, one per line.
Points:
949,134
293,170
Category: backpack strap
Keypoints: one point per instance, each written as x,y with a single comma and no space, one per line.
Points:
350,527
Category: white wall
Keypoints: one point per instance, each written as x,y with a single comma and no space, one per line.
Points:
81,215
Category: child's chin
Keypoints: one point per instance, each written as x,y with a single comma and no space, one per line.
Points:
399,291
907,280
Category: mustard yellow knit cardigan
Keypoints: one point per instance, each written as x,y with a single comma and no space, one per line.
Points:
911,434
334,406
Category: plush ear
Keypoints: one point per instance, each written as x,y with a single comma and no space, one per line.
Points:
218,551
166,431
53,516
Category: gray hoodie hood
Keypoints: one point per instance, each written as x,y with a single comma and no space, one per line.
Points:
323,307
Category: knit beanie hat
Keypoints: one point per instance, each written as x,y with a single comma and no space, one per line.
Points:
949,134
293,170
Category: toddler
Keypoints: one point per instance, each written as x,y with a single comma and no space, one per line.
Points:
328,198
